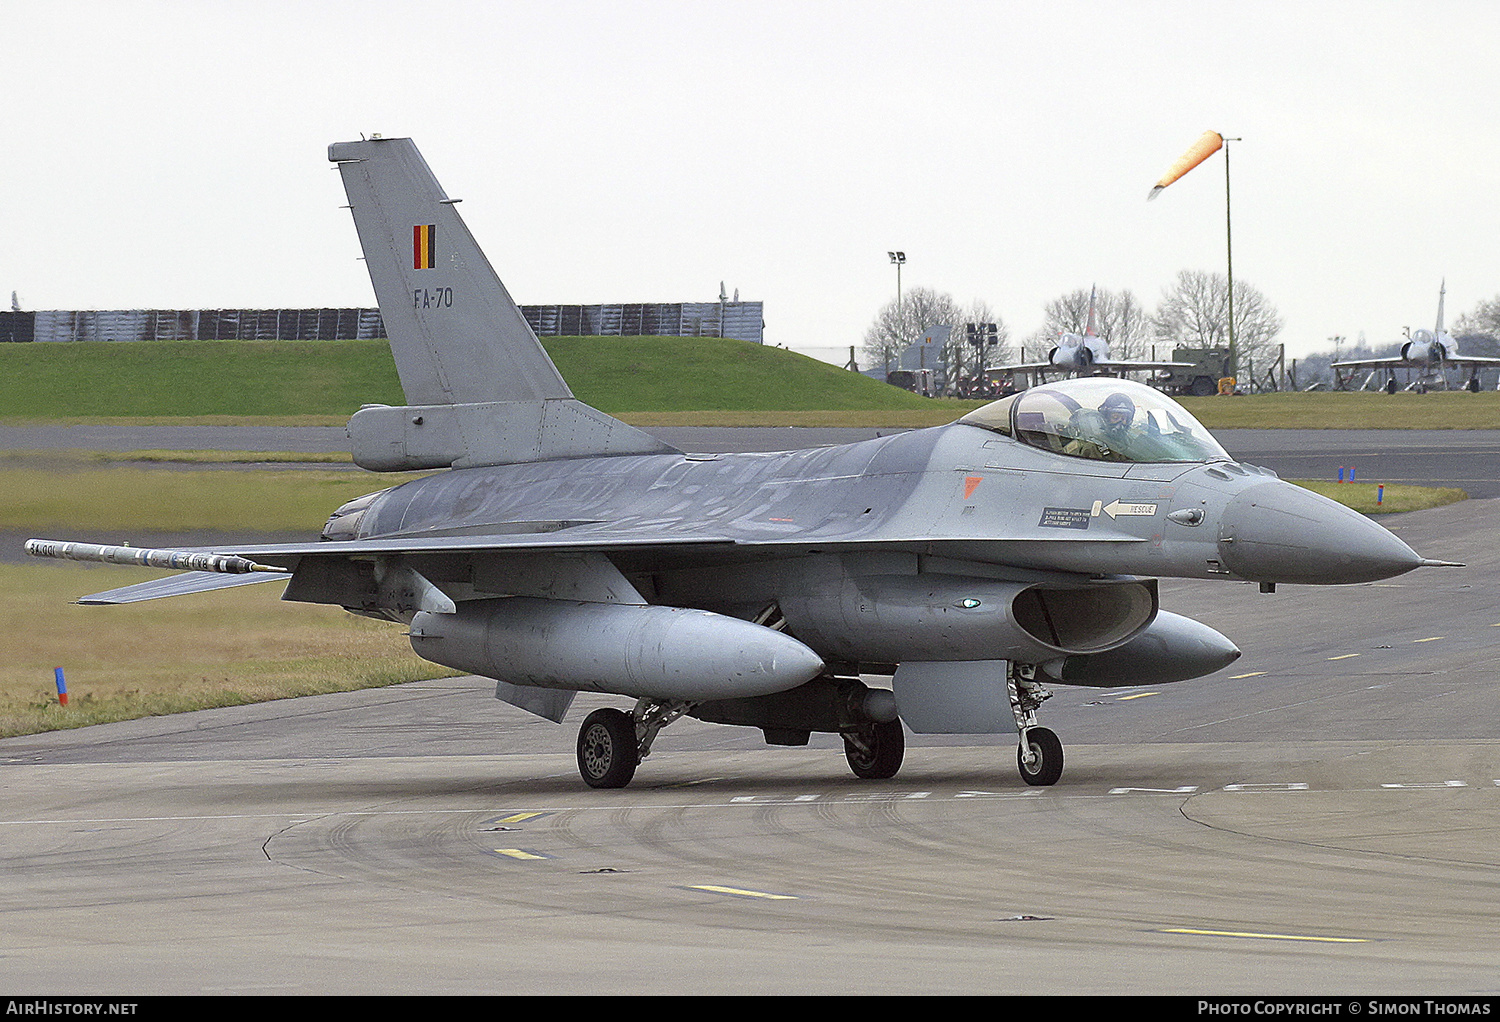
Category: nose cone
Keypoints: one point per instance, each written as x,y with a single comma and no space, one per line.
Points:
1277,532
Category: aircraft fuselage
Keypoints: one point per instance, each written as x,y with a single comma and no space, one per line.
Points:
957,492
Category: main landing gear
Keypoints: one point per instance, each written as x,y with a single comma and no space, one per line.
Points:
875,752
1040,754
612,743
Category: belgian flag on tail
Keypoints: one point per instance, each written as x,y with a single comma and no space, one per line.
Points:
423,246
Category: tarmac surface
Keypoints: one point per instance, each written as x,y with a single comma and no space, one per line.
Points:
1426,457
1321,818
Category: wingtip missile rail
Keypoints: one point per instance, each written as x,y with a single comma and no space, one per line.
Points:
177,560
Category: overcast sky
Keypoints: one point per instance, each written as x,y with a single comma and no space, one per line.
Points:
173,154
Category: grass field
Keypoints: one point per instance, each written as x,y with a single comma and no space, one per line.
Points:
1437,410
118,499
1378,499
648,381
223,648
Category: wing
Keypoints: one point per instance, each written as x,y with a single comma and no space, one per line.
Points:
176,585
1026,367
1377,363
1141,365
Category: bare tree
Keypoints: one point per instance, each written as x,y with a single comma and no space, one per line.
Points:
897,327
1478,332
1119,317
1195,313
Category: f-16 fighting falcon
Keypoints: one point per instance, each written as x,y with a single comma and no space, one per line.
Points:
556,549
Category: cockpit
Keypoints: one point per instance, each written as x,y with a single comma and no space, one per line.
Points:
1103,419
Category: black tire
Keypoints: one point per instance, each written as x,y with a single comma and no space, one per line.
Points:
607,749
1203,387
887,744
1473,385
1049,765
1390,385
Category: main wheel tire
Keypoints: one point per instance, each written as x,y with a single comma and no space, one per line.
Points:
887,747
607,749
1048,766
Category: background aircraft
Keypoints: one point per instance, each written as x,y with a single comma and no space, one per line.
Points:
1086,354
1430,352
559,550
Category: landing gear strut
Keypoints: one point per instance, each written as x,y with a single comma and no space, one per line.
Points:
1040,753
612,743
875,752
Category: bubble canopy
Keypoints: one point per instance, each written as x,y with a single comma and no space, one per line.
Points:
1103,419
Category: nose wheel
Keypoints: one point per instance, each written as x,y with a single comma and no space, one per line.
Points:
1040,757
1040,753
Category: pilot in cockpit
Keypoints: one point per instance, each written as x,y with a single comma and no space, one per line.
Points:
1118,412
1104,432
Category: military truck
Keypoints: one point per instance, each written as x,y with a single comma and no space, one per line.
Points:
1200,375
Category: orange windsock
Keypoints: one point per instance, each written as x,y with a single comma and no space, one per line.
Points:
1200,150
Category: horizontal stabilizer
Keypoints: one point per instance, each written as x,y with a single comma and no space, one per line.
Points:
409,438
176,585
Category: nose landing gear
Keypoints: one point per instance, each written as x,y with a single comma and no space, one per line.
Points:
1040,753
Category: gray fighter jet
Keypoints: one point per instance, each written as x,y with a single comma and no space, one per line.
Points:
1430,352
560,550
1086,354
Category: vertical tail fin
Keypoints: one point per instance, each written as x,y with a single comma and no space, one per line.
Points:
479,386
455,333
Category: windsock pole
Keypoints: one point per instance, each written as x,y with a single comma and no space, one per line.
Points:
1209,143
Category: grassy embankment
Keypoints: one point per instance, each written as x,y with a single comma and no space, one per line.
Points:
244,645
648,381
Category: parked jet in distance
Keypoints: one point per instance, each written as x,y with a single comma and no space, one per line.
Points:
560,550
1430,351
1086,354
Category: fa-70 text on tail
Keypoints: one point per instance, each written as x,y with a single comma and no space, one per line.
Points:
560,550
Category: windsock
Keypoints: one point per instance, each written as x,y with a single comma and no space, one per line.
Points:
1200,150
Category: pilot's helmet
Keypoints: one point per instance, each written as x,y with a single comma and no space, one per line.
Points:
1118,411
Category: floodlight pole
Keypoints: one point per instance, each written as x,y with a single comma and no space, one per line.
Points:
898,259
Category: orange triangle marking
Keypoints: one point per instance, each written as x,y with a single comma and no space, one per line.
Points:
971,483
